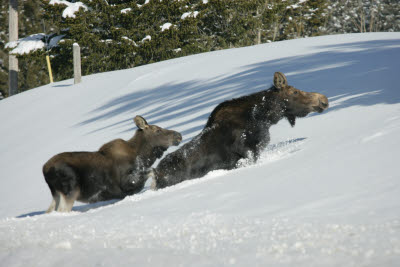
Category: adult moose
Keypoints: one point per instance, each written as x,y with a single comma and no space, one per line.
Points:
112,172
237,129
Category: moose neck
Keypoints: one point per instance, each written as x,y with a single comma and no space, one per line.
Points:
267,106
147,152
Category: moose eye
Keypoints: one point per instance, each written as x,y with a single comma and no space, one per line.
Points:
295,92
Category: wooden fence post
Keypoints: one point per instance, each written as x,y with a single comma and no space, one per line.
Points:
77,63
13,36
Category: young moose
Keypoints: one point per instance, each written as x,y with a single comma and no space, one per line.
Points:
112,172
237,129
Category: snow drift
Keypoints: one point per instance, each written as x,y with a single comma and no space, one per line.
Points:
325,193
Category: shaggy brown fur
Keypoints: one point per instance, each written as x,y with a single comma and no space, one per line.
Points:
113,172
237,129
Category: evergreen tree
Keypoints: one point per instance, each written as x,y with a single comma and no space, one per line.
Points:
275,18
119,34
305,18
231,23
362,16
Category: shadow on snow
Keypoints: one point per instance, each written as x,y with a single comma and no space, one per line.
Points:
82,208
362,73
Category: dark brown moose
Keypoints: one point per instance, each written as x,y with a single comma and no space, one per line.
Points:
113,172
237,129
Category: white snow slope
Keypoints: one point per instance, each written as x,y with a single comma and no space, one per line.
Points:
325,193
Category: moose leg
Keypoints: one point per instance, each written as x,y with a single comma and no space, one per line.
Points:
60,202
64,203
250,143
259,141
52,206
241,146
238,145
63,183
134,182
151,175
56,199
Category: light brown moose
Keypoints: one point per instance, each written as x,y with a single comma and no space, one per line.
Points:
114,171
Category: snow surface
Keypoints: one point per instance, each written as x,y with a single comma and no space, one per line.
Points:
71,9
145,3
324,193
166,26
147,38
125,10
296,5
191,14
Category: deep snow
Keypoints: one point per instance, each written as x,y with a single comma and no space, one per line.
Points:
325,193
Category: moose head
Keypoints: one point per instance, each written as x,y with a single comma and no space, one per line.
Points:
157,136
295,102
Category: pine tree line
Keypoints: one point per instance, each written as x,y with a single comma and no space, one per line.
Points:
119,34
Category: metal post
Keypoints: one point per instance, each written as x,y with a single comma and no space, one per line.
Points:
13,36
77,63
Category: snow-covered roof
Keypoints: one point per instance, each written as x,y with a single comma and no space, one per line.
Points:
54,41
32,43
27,44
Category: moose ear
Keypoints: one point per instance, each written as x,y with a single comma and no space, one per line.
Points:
280,80
140,122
